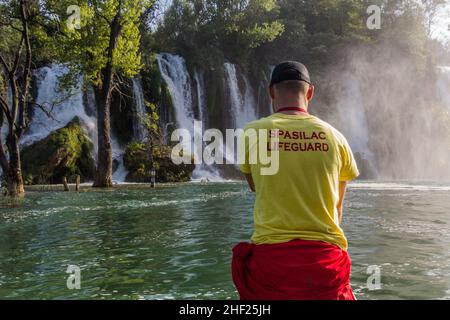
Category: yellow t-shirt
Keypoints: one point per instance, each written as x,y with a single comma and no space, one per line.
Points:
300,200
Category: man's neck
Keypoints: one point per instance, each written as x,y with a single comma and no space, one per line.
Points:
291,109
291,106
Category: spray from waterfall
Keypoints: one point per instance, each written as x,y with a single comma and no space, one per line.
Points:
390,113
353,113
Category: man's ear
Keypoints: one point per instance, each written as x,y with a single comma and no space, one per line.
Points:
271,92
310,93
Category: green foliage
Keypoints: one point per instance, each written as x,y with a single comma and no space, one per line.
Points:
151,80
313,29
407,34
232,27
158,99
86,49
265,32
150,121
138,162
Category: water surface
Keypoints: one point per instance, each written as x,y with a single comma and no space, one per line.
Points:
174,242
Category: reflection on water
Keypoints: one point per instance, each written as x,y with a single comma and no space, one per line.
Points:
175,241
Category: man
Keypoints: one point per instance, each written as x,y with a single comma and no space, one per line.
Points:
298,249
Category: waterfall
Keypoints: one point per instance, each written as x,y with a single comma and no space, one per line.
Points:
249,106
63,106
236,100
443,85
242,105
203,171
174,72
120,173
352,113
201,96
139,103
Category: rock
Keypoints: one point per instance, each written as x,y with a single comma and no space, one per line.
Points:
367,172
65,152
137,162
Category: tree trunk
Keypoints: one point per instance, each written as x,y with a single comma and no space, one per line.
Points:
13,176
15,111
103,96
103,176
77,182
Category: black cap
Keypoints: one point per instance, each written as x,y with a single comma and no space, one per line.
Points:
290,70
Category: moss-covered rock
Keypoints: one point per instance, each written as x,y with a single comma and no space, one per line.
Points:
64,153
139,164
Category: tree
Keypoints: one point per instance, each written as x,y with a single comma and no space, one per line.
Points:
232,27
103,48
15,74
431,8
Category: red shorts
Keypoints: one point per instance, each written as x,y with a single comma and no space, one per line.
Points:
295,270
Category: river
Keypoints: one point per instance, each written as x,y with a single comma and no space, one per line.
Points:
174,242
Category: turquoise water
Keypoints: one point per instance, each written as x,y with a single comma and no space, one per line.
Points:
174,242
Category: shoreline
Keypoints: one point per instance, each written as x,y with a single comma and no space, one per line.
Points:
87,186
357,184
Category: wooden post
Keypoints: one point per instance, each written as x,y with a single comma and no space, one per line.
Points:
77,183
66,186
153,177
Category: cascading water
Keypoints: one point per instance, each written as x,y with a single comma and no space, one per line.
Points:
354,116
242,106
203,171
63,106
189,99
139,103
120,173
201,95
174,72
443,85
249,107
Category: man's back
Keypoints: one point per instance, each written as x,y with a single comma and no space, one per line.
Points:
298,249
300,200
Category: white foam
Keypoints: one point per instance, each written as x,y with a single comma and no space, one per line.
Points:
397,186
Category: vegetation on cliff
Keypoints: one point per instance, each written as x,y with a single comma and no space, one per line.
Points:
66,152
139,163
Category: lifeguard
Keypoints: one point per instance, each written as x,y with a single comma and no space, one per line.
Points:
298,249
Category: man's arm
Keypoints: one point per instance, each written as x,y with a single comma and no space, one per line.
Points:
340,205
250,182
